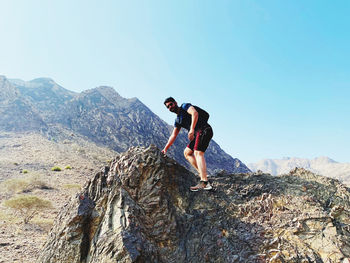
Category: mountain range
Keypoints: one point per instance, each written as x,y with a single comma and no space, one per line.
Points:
320,165
100,115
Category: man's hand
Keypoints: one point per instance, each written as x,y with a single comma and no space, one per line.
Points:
191,135
164,151
194,118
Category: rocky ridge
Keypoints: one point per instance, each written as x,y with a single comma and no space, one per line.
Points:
321,165
140,209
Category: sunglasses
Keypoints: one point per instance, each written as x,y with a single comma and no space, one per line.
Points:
170,104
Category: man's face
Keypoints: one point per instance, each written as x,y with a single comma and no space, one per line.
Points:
172,106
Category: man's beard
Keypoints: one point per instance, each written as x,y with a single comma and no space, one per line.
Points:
174,108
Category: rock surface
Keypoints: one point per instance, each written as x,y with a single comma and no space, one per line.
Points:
140,209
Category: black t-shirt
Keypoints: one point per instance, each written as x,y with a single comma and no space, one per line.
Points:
184,119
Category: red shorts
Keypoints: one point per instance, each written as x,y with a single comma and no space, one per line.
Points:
201,139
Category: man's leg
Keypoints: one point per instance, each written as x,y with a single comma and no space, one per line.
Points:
201,164
201,144
191,158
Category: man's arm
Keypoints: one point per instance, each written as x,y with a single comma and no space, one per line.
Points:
171,139
194,117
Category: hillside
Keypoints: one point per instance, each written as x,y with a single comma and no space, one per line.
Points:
321,165
29,158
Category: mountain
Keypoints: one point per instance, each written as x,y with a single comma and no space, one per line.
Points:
321,165
48,97
100,115
7,91
17,112
105,117
140,209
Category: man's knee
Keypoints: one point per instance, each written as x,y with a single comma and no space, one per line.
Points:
198,153
188,152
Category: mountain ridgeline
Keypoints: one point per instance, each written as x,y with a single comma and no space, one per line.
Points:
321,165
100,115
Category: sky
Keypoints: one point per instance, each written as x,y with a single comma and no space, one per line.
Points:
274,75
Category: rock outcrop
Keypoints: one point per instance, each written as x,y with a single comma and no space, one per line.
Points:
140,209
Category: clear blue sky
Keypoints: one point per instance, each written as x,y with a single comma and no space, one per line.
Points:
274,75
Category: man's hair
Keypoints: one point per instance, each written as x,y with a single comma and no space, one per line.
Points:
170,99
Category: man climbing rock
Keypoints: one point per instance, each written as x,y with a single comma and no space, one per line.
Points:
195,120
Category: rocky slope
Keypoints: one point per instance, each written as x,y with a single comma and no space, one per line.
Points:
321,165
35,154
140,209
101,115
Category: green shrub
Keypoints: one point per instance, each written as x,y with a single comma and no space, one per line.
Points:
27,206
68,167
56,169
25,171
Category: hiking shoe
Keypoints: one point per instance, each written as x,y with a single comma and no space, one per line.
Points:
202,185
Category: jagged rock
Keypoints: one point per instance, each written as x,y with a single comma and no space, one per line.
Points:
140,209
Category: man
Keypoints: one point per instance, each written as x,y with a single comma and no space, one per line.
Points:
195,120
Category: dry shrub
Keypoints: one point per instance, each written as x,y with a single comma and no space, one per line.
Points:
36,182
43,223
13,186
27,206
22,185
72,186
